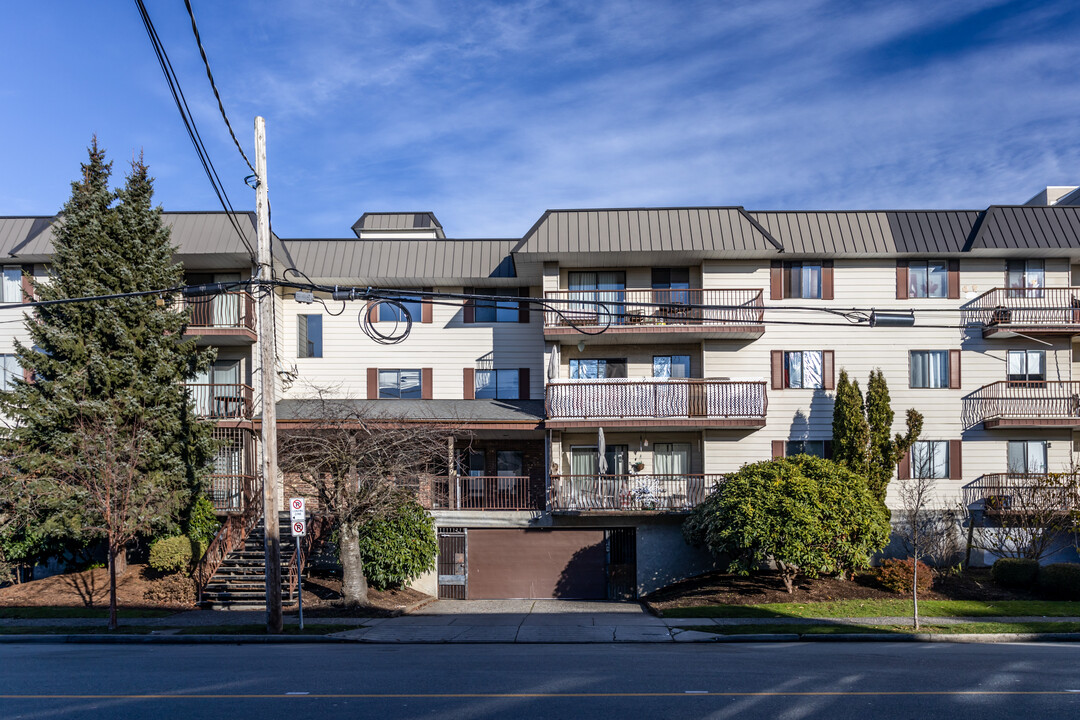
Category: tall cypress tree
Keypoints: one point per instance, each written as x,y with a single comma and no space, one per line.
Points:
117,365
850,432
886,450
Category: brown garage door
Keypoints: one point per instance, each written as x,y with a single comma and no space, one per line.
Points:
537,564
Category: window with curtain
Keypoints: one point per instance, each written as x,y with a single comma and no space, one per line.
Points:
399,384
584,460
1027,457
930,459
806,447
928,279
929,368
803,280
671,458
802,369
589,288
9,371
496,310
671,366
1027,365
391,313
1026,278
11,286
309,336
592,368
497,384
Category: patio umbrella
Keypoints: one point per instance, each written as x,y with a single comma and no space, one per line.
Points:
553,363
601,448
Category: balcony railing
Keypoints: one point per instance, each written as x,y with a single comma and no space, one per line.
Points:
231,493
654,308
466,492
1047,402
221,401
656,398
1056,308
235,310
1014,493
642,492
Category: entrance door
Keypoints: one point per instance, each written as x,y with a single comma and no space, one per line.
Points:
453,563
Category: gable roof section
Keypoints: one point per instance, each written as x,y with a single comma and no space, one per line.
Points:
884,232
398,221
1027,227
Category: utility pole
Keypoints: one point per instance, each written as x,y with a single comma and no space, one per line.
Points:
268,376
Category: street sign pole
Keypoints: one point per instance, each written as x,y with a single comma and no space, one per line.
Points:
299,584
298,523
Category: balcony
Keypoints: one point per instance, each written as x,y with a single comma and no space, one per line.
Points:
1006,312
629,493
642,315
1024,404
1004,495
224,319
656,403
466,492
221,401
231,493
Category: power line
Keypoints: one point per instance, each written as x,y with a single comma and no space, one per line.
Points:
189,124
210,75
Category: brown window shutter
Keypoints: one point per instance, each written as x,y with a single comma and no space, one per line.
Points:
828,370
826,279
426,383
469,392
903,470
901,279
777,369
523,384
27,286
776,280
954,279
426,310
523,308
372,312
778,448
468,312
373,383
954,369
956,466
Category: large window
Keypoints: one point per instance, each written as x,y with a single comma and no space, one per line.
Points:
9,371
498,384
929,368
671,458
11,287
671,366
817,448
589,289
1027,457
1027,365
592,369
586,460
803,369
510,463
1026,278
930,459
928,279
496,310
672,285
391,313
399,384
803,280
309,336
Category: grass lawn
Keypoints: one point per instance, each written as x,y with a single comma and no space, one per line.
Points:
962,629
884,608
79,612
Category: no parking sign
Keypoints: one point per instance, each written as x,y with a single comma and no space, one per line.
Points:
298,516
299,528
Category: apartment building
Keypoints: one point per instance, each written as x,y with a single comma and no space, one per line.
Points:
674,346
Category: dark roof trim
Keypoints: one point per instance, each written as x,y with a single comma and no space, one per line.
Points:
768,236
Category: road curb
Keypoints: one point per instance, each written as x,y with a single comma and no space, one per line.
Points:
171,639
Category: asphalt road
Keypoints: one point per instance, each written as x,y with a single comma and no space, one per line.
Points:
791,680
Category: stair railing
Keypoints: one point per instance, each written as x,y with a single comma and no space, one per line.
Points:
230,536
317,527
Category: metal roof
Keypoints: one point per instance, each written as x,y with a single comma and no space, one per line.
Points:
403,262
403,221
16,231
495,411
1028,227
888,232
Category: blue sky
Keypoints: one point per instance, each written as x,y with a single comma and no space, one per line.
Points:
487,113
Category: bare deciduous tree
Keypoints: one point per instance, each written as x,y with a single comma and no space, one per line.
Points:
1024,516
917,528
363,466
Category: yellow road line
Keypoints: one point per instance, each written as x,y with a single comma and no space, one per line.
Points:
555,696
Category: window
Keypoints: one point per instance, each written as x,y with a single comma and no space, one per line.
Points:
803,280
1027,365
399,384
930,459
817,448
803,369
496,311
9,371
671,366
673,285
929,369
1027,457
590,288
597,369
510,463
671,458
1026,278
471,463
928,279
497,384
392,313
585,460
309,336
217,391
11,286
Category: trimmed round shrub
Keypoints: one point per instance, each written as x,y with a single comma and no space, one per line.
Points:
1015,572
399,548
172,554
896,575
804,513
1060,580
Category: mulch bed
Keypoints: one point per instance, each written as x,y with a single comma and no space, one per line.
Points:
89,588
322,599
766,587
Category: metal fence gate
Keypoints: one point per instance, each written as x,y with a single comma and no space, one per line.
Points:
453,563
621,544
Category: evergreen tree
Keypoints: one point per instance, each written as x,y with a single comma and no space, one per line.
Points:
116,366
885,450
851,435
